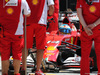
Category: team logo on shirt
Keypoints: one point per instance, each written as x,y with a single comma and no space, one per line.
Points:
92,8
6,0
9,10
35,2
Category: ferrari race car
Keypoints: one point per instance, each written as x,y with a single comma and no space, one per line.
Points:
62,49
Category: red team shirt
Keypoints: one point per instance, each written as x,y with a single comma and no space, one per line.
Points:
8,10
90,12
39,10
36,10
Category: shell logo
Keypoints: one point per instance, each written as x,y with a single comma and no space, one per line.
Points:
92,9
35,2
6,0
9,10
51,48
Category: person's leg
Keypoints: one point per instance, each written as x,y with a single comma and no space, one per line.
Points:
40,34
5,54
39,56
97,48
5,66
97,51
17,46
86,43
16,64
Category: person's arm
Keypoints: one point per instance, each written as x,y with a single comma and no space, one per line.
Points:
97,22
51,7
82,21
91,26
27,11
51,10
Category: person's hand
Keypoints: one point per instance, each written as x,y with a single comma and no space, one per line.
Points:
91,26
88,31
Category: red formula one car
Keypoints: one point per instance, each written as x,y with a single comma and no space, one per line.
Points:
62,49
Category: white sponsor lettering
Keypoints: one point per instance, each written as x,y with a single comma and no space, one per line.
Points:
95,0
12,3
53,42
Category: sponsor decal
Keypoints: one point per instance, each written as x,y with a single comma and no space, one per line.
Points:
53,42
92,8
11,3
80,5
71,40
49,53
35,2
51,48
41,74
48,42
9,10
67,39
95,0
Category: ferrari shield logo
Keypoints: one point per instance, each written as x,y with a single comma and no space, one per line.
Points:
92,9
9,10
35,2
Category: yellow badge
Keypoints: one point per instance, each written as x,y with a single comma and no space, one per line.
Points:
92,9
6,0
35,2
51,48
9,10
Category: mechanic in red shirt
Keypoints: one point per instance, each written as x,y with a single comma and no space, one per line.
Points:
54,25
11,21
89,15
36,25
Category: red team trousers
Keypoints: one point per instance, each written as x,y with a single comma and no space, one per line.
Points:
86,44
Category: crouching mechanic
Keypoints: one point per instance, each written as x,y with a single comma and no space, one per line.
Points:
36,25
11,17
